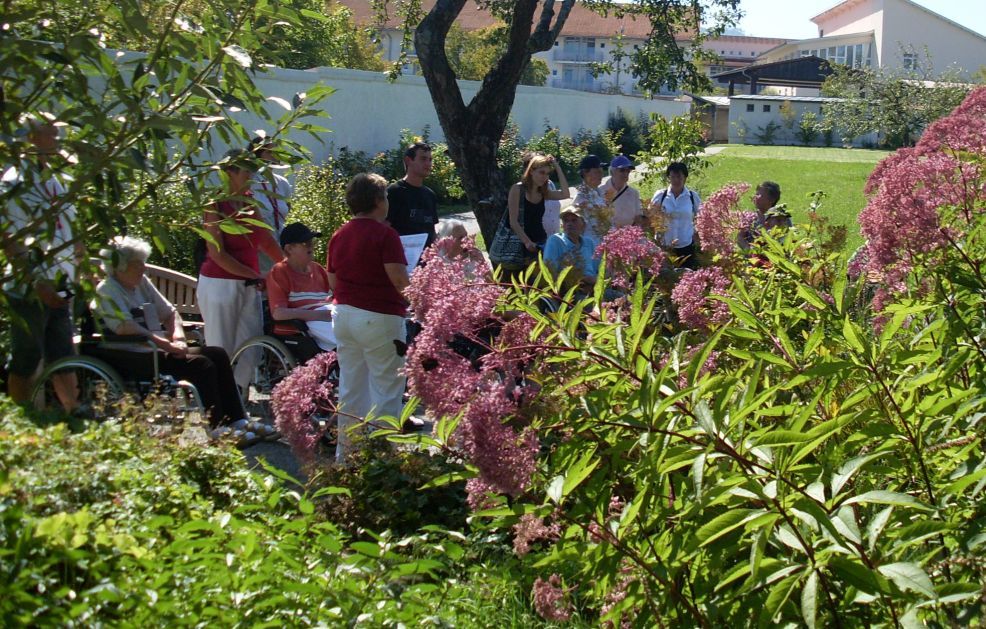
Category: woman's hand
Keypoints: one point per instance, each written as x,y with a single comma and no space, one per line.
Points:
530,246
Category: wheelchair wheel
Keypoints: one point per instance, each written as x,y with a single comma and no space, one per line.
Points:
272,362
99,385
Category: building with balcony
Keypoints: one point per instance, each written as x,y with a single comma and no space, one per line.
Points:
890,34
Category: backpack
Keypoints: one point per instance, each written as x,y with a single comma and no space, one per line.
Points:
691,195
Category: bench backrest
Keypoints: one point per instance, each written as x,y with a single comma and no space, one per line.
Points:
178,288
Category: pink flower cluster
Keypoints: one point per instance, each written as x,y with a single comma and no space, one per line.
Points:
901,222
692,298
720,220
531,528
304,392
550,600
628,250
455,305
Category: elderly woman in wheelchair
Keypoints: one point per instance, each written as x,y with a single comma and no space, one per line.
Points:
127,304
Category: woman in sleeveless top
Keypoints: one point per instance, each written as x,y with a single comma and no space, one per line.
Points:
231,309
525,203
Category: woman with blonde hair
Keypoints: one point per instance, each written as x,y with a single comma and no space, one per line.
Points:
525,202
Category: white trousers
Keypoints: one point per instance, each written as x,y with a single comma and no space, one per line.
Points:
371,377
232,314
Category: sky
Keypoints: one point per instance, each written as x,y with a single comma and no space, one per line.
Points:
792,18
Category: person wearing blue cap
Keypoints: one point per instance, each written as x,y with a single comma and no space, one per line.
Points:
619,194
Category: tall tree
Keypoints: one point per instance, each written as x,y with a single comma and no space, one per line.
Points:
473,130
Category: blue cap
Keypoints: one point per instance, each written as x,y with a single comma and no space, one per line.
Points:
622,161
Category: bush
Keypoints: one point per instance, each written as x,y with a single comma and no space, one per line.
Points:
630,132
444,179
808,128
792,453
679,139
124,523
767,133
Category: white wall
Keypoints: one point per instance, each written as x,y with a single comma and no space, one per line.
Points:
367,112
758,118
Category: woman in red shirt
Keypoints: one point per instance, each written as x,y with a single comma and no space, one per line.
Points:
230,277
367,272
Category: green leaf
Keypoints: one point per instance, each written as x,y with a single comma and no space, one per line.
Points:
239,55
448,479
579,471
723,524
809,600
556,488
856,575
852,335
961,484
779,595
909,576
840,478
782,438
887,498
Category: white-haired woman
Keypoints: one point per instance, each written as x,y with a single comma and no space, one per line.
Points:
451,233
128,304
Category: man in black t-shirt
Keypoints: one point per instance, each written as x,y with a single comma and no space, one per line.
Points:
413,205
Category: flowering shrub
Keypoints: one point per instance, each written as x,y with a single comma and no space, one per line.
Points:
925,199
777,461
693,296
307,390
720,220
628,250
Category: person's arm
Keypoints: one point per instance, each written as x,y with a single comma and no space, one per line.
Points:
562,191
398,275
270,247
513,214
132,328
44,288
283,313
219,255
332,282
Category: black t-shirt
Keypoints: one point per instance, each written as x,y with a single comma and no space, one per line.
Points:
413,210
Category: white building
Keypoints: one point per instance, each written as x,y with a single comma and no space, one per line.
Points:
587,39
887,34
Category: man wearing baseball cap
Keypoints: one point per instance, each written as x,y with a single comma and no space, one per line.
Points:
619,194
297,286
572,248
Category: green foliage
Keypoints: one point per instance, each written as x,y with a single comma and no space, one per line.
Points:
139,127
473,54
679,139
443,180
767,133
126,523
629,131
568,150
808,128
896,104
319,200
822,472
326,37
386,492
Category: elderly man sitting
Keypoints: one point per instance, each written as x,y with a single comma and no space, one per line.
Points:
128,304
573,248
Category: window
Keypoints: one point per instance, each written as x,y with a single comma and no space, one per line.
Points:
749,107
602,45
766,108
910,61
556,43
821,33
554,73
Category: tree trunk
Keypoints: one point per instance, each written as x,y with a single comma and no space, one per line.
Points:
473,131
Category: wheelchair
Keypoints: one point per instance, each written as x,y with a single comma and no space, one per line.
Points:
101,383
274,355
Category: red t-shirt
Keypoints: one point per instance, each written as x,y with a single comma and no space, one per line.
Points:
243,247
287,288
357,253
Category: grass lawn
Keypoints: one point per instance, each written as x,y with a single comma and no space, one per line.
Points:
840,173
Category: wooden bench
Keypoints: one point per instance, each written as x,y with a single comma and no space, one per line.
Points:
178,288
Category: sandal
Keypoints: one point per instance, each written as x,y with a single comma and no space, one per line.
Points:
241,438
